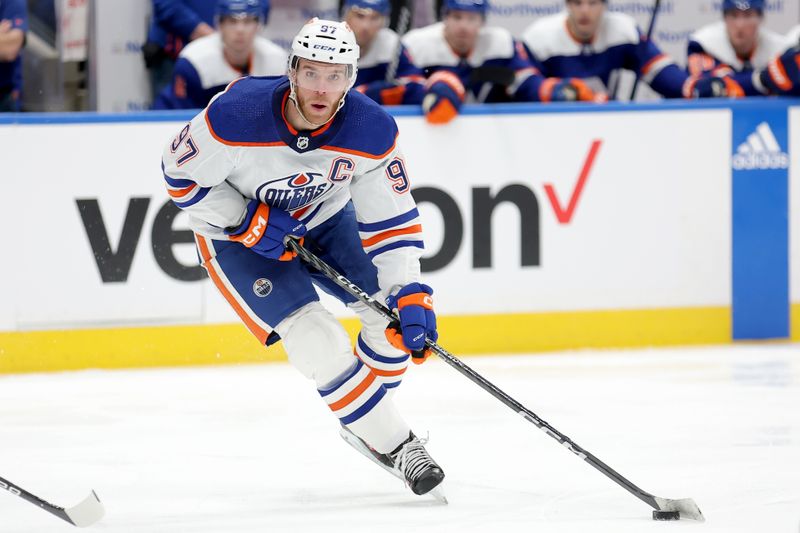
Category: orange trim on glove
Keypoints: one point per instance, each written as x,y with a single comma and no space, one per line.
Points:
420,298
442,113
254,232
395,338
779,75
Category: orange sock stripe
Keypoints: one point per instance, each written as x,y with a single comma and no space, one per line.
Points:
375,239
260,333
382,373
353,394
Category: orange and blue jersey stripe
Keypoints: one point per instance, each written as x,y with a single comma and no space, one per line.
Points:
401,231
184,192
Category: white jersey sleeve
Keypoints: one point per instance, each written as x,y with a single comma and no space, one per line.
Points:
196,165
388,222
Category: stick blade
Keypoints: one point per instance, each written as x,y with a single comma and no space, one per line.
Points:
86,513
686,507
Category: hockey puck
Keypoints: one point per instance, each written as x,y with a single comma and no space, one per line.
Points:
666,515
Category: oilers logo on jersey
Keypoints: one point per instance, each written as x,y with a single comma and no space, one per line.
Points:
295,191
262,287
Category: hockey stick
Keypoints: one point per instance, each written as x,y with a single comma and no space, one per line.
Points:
648,36
86,513
686,508
403,22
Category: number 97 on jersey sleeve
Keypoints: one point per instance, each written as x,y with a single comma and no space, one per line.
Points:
396,172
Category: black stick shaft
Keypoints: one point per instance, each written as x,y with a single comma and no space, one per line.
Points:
35,500
476,378
649,35
403,23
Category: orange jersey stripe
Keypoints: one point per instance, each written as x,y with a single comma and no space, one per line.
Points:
181,192
254,328
232,143
362,154
353,394
417,228
649,65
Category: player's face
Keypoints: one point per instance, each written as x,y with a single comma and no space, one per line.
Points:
584,17
320,86
365,23
742,29
461,29
238,33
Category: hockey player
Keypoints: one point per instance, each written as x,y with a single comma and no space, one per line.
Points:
587,46
463,59
737,46
210,63
301,156
382,51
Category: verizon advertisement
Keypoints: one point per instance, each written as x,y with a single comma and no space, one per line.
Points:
523,213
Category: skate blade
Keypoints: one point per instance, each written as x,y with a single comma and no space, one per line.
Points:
438,495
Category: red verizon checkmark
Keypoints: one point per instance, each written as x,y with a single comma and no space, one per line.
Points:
565,215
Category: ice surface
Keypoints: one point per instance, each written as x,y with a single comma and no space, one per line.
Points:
253,448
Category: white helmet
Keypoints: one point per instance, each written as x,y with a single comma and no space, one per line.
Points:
326,41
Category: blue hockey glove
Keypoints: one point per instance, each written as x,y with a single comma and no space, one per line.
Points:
414,305
712,87
384,92
782,75
264,230
443,98
566,90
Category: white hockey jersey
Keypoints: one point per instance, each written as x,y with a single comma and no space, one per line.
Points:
495,49
617,45
241,147
710,52
202,71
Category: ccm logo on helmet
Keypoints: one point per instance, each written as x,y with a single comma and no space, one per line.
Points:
325,48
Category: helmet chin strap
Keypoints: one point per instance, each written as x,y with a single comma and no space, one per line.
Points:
293,98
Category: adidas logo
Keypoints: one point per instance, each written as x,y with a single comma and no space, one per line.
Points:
760,151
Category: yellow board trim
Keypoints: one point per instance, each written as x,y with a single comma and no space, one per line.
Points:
795,322
41,351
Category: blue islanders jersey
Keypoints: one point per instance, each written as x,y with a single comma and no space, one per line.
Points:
710,52
242,147
495,52
375,61
617,45
16,13
202,71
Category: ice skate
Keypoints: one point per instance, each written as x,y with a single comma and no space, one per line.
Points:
424,476
420,471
